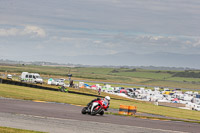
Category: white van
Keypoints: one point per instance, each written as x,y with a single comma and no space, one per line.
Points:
31,77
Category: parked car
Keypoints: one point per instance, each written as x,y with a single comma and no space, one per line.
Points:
9,76
59,82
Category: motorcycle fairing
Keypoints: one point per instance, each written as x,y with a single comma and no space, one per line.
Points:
93,105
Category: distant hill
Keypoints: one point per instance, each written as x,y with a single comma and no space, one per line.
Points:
130,59
155,61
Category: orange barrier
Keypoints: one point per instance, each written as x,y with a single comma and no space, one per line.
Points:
132,110
123,110
127,110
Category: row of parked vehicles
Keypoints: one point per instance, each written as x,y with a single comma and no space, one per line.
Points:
36,78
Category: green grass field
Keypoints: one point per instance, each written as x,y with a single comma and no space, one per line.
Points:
27,93
120,75
147,75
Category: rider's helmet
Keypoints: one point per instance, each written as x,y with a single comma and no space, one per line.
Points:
107,98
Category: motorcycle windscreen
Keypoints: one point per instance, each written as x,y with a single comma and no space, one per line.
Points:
105,103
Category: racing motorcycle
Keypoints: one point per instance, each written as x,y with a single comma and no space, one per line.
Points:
97,107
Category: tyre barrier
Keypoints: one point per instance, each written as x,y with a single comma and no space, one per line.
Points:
127,110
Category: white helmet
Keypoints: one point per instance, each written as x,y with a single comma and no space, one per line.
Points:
107,98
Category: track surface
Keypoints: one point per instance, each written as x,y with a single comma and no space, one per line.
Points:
52,117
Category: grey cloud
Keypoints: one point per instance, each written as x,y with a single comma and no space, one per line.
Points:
69,27
27,30
170,17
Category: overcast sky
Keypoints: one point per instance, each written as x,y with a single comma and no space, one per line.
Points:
98,27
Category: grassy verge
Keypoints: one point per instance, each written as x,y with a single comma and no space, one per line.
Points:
14,130
27,93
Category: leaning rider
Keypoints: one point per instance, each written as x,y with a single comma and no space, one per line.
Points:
63,89
107,99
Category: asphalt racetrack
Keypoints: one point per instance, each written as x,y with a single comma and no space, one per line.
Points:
64,118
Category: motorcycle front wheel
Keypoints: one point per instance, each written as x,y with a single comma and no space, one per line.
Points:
84,110
102,112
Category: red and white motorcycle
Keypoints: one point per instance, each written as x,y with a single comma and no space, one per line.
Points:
97,107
